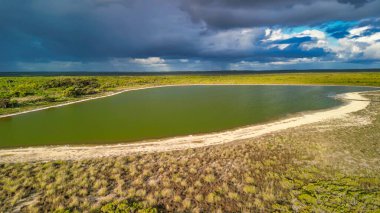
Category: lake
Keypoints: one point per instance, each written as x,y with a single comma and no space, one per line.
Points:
164,112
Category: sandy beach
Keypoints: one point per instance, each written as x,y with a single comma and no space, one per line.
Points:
353,102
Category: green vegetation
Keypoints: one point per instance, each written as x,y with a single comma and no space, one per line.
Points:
126,206
17,94
24,93
332,166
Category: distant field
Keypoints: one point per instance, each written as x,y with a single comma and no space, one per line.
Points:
25,93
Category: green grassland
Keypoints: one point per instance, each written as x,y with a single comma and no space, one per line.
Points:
332,166
24,93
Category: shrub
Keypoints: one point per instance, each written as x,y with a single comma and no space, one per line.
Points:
249,180
166,192
233,195
68,82
209,178
177,198
212,198
74,87
199,197
6,102
127,207
74,92
186,203
249,189
306,198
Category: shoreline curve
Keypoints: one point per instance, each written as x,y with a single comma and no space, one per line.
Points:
353,102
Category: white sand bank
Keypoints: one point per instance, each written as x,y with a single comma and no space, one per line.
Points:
354,103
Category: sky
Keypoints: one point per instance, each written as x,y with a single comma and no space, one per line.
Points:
188,35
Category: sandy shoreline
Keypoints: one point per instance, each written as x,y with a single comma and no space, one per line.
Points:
354,102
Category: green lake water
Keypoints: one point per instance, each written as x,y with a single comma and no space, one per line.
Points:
163,112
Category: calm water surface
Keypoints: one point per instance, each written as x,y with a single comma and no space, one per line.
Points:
163,112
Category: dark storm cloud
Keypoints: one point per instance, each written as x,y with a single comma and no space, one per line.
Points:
85,29
95,30
91,33
225,14
357,3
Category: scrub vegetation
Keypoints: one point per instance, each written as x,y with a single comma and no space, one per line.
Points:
24,93
331,166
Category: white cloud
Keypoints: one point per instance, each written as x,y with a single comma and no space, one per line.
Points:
275,35
147,64
314,34
373,51
295,61
278,34
319,38
281,46
148,61
249,65
356,45
358,31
